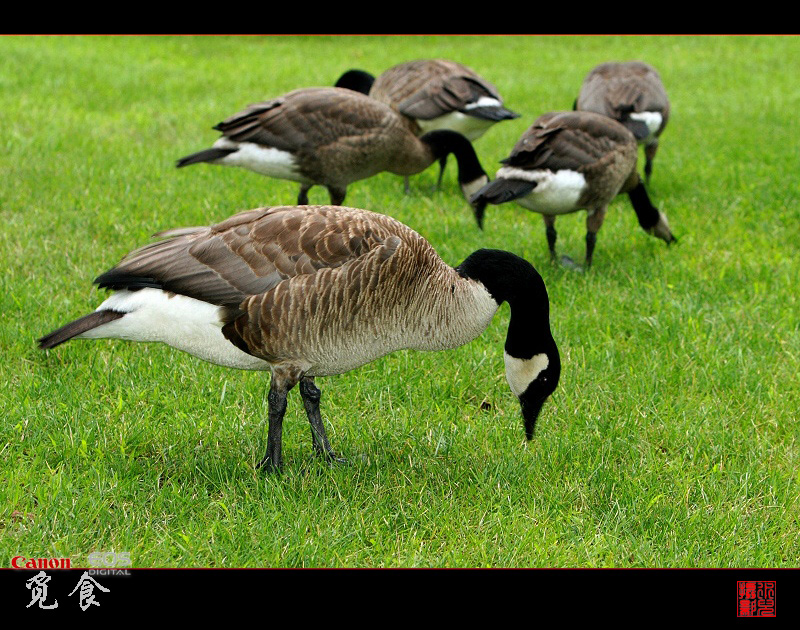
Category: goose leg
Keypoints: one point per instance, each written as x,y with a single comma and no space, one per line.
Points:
337,195
594,222
302,197
550,230
311,396
407,185
649,155
279,387
591,239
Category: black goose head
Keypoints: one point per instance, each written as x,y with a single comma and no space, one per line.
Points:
651,219
356,80
533,363
443,142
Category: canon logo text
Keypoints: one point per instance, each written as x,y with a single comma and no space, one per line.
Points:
21,562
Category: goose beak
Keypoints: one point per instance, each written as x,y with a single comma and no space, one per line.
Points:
530,413
662,231
665,235
471,191
479,208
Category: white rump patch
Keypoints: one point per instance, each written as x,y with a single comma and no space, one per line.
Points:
484,101
555,193
264,160
651,119
520,373
182,322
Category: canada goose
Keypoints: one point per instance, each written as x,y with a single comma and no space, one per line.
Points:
567,161
435,94
317,290
332,137
632,93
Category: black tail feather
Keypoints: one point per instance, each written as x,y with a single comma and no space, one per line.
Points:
207,155
117,280
637,127
496,192
80,325
492,113
502,190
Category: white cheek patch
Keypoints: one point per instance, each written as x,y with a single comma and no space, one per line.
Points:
522,372
661,229
260,159
470,188
651,119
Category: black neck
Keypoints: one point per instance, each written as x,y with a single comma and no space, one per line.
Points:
512,279
356,80
443,142
645,211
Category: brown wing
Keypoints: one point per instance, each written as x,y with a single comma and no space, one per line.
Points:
306,118
429,89
568,140
307,316
252,252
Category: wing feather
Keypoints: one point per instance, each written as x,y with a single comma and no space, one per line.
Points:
431,88
309,116
567,140
251,253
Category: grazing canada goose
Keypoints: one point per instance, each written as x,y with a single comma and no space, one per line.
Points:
316,290
567,161
435,94
333,137
632,93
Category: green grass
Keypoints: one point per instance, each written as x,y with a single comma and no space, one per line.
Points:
672,440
